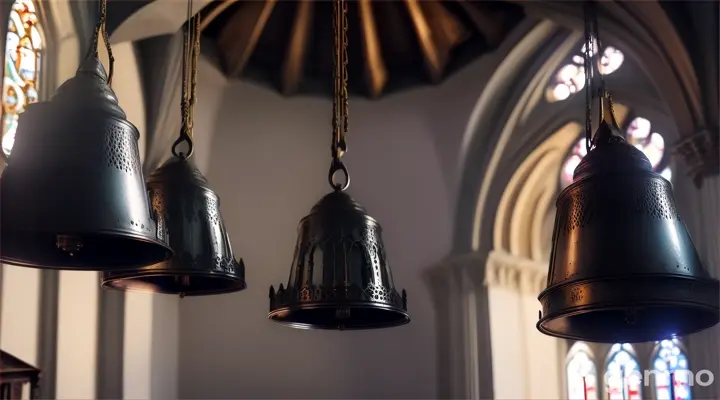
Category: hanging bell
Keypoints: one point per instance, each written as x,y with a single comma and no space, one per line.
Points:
73,194
188,211
623,267
340,278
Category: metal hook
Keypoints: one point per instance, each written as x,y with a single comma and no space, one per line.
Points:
184,137
336,166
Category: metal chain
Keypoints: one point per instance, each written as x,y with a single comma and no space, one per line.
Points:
101,29
589,73
594,49
340,94
188,96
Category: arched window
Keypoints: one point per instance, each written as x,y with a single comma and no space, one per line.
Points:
622,374
669,358
581,373
640,134
23,51
570,78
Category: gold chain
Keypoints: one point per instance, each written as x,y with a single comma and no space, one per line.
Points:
340,89
188,97
101,29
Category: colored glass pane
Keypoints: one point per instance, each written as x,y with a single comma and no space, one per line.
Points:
23,51
581,377
622,374
671,359
570,78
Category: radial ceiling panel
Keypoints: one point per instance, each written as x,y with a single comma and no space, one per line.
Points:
393,45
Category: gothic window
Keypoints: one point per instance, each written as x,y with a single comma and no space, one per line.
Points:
669,358
570,78
640,134
23,49
622,374
581,373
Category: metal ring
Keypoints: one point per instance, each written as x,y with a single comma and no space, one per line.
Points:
336,166
184,137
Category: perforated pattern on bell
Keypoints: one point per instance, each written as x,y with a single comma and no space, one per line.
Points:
340,277
623,267
119,150
189,215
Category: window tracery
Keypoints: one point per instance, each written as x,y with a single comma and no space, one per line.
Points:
23,51
639,133
570,78
670,358
622,374
581,374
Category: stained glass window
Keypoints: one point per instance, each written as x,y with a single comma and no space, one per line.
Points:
23,50
639,134
570,78
670,358
581,374
623,377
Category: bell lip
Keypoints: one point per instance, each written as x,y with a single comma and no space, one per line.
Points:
584,179
579,310
169,254
404,317
106,281
623,304
545,292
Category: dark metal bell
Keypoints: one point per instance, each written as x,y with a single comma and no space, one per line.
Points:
340,278
73,193
623,267
188,211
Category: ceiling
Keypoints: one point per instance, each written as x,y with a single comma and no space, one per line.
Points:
393,45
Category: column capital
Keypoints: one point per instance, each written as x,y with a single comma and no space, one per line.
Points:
701,154
515,273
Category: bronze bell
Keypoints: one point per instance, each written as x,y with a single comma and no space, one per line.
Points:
623,267
73,194
340,277
188,212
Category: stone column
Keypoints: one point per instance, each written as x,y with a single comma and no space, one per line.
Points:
700,206
463,335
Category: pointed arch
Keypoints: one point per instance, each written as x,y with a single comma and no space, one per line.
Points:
669,357
23,68
623,377
581,373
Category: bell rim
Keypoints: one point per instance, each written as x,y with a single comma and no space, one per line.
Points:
403,314
614,307
169,252
106,281
559,286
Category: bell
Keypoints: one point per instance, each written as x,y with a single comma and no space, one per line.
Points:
188,212
340,278
73,194
623,267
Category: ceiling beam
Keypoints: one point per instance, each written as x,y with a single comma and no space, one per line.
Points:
294,63
241,35
376,72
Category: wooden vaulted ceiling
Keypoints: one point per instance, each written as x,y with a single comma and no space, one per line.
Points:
393,45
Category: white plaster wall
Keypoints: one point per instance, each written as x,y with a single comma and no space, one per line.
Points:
269,164
510,374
